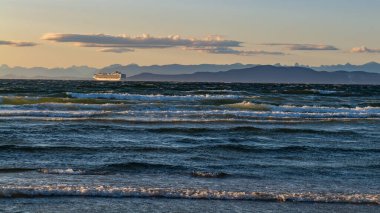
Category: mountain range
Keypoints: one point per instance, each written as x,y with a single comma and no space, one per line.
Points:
69,73
368,67
134,69
268,74
178,72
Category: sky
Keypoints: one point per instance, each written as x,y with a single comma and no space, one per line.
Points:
62,33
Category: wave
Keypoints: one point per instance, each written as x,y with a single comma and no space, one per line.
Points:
17,100
115,107
203,174
15,170
305,111
182,130
219,102
139,166
120,168
52,113
81,149
284,149
161,149
249,106
225,109
68,171
25,148
311,92
323,109
277,112
246,130
203,91
135,120
291,130
144,120
7,191
326,92
157,97
242,148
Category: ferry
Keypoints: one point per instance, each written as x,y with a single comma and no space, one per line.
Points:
114,76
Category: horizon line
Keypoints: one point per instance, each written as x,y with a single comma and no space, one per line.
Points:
296,64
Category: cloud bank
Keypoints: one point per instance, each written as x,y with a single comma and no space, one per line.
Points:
305,47
224,50
126,43
364,49
144,41
17,43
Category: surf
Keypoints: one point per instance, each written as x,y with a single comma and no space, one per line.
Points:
182,193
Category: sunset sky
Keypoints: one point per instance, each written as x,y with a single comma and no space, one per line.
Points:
98,33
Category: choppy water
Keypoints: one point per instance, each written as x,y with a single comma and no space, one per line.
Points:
222,142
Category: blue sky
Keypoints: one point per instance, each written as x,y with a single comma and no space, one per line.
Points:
302,31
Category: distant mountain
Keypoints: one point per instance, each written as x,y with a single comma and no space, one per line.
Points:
368,67
134,69
69,73
268,74
86,73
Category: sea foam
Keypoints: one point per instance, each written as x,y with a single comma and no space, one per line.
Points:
183,193
157,97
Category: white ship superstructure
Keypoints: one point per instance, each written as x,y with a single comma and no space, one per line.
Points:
114,76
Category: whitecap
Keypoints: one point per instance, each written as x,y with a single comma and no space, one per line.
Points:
249,106
157,97
183,193
67,171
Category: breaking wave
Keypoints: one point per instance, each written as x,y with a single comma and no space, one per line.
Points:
68,171
311,92
158,97
275,112
249,106
305,111
182,193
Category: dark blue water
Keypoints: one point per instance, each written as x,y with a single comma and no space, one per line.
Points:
234,145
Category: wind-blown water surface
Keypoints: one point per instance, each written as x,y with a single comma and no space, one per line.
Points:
224,142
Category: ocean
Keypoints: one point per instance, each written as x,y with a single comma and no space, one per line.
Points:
187,147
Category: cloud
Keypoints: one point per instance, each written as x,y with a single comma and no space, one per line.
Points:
144,41
306,47
364,49
18,43
223,50
116,50
124,43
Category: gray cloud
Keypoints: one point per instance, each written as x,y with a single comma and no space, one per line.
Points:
364,49
18,43
307,47
144,41
223,50
125,43
116,50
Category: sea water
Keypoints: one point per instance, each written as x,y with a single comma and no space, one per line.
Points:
146,146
